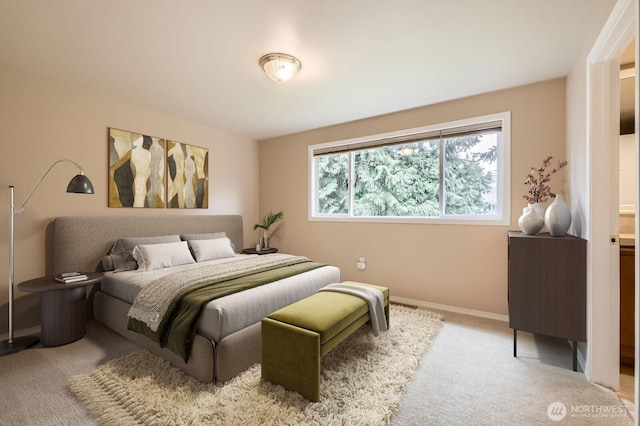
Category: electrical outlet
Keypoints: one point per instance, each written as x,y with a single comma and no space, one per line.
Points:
361,264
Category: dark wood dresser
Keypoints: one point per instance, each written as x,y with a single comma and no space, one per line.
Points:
547,287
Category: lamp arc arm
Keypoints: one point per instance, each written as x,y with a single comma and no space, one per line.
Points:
20,208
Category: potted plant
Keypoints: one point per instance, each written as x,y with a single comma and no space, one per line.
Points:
266,222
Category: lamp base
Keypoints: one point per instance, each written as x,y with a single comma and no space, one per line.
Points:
17,344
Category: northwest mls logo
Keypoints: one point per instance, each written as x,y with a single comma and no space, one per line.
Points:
556,411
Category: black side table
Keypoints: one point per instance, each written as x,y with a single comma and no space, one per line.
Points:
265,251
63,307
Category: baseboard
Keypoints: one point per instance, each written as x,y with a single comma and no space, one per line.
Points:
447,308
21,333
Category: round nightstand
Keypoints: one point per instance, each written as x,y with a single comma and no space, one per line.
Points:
265,251
63,307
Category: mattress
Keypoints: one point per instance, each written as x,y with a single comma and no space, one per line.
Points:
227,315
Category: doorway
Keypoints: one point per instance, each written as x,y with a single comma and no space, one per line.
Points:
603,106
627,191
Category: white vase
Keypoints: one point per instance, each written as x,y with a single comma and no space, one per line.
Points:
530,222
558,217
540,210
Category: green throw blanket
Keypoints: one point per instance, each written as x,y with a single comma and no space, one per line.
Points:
178,327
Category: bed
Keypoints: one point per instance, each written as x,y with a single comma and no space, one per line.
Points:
227,340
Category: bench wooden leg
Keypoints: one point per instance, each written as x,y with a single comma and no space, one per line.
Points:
291,358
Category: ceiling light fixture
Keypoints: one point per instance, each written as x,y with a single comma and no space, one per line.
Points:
280,66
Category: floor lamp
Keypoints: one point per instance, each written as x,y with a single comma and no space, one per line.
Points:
80,184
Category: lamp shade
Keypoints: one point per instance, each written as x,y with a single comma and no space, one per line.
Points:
280,66
80,184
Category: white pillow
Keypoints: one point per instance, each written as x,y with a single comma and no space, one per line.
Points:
157,256
209,236
212,249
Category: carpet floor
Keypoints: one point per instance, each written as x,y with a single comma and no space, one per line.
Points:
362,382
469,376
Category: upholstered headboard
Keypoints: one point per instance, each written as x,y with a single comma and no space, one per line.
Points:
80,242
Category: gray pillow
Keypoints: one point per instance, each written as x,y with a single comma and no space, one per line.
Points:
209,236
120,258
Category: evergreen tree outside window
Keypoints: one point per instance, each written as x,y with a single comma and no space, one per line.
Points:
453,172
333,175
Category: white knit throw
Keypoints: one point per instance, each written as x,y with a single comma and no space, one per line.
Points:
374,299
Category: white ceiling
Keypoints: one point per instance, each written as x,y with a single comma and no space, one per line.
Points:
198,59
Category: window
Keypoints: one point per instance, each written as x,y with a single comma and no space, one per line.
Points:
449,173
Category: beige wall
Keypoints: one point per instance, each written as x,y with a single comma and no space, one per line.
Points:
577,125
577,137
462,266
42,122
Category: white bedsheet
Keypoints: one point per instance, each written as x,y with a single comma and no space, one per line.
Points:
126,285
226,315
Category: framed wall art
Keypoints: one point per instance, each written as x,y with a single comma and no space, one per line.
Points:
136,170
187,176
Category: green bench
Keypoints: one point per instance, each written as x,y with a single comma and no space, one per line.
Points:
296,336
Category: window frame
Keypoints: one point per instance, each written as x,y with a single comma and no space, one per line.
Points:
503,184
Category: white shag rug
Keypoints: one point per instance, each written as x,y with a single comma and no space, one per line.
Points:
362,382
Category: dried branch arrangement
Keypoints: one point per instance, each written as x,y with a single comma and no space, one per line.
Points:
538,179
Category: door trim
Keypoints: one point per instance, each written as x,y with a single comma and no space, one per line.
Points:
603,310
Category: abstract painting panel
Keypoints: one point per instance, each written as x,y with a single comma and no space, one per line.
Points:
187,176
136,170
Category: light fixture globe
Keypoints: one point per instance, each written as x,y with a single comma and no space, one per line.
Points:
280,66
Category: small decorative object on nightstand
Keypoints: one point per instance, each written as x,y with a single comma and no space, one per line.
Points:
63,307
266,222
